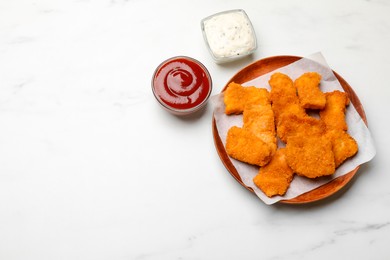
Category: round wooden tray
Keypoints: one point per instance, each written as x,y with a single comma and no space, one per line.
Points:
262,67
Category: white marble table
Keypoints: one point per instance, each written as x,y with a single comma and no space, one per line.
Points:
92,168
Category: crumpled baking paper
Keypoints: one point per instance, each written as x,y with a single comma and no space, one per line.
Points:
356,128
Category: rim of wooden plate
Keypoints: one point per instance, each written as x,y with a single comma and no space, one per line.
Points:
262,67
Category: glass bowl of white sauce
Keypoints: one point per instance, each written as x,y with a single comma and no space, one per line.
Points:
229,35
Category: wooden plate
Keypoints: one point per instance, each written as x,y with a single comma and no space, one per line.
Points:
262,67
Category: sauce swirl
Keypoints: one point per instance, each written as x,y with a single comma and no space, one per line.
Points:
181,83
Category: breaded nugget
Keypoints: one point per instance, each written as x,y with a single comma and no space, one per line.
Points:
309,94
290,124
237,97
344,146
283,96
244,146
333,114
282,89
310,156
292,108
275,177
259,119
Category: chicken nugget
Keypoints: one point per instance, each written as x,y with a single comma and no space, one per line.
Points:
334,112
309,94
244,146
310,156
275,177
292,108
283,96
291,124
344,146
237,97
259,119
282,89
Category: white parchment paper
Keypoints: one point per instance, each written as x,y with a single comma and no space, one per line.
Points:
356,128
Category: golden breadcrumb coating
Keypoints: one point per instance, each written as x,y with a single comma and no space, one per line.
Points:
237,97
275,177
344,146
291,124
244,146
333,114
314,147
309,93
310,156
283,96
259,119
282,84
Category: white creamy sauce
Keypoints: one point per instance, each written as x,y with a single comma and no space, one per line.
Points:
229,34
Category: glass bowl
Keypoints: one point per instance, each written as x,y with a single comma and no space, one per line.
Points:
182,85
229,35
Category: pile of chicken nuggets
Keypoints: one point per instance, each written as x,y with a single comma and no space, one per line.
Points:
314,146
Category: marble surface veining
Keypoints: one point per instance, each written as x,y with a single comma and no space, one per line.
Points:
92,168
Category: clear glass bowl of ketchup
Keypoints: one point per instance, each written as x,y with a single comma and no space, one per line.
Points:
182,85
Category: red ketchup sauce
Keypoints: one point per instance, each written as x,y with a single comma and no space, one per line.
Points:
181,84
